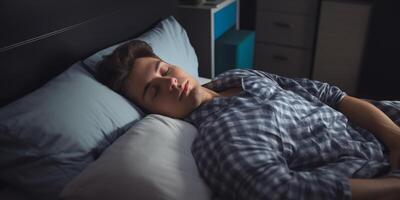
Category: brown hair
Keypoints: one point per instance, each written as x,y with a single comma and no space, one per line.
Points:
115,68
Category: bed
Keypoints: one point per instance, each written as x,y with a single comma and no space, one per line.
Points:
63,135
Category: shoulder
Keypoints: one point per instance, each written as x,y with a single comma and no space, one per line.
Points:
241,73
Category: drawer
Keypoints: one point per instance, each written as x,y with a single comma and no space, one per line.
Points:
303,7
285,29
284,61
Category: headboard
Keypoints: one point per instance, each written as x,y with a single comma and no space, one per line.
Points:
40,39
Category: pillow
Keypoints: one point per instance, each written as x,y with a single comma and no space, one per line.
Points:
203,81
168,40
49,136
151,161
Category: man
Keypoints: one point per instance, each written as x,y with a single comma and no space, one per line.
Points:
262,136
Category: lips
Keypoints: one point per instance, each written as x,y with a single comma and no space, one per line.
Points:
185,90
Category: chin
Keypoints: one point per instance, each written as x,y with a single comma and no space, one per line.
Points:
180,115
195,98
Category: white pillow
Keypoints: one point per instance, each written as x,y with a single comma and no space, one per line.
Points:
151,161
168,40
203,81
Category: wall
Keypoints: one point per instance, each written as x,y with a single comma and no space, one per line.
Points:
380,74
247,14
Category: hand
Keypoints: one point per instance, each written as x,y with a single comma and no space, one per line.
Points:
394,150
375,189
394,159
394,193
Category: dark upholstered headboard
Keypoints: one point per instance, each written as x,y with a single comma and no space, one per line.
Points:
40,39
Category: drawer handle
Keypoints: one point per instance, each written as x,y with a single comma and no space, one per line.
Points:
283,25
280,58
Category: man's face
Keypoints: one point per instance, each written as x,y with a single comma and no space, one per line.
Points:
162,88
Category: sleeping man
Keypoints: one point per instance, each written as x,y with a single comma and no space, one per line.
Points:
263,136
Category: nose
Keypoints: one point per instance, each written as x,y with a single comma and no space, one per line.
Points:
173,82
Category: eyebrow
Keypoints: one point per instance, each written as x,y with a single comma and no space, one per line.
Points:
157,66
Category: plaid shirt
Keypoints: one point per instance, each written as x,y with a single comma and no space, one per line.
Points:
281,138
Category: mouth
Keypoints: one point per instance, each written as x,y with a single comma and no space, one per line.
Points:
185,90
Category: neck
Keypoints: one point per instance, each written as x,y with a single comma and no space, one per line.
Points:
210,94
230,92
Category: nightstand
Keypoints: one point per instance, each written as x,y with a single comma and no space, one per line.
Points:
204,24
317,39
342,32
285,32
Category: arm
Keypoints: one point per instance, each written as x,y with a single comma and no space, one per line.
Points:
252,173
381,189
358,111
279,182
325,92
371,118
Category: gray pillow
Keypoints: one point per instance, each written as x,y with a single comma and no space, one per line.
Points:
168,40
52,134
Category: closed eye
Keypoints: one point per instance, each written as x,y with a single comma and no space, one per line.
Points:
166,72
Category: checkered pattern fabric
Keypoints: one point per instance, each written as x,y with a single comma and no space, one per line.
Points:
282,138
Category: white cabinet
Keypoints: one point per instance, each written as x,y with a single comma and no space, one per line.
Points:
285,34
342,33
318,39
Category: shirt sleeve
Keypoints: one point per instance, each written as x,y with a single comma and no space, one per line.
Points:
328,94
260,176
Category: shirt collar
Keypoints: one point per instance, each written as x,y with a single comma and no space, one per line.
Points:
220,83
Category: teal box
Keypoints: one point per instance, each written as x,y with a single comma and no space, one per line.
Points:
225,19
234,50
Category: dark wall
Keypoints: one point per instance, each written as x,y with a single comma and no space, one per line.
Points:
41,39
247,14
380,74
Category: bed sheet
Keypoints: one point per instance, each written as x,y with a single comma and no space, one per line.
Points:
203,80
391,108
9,193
